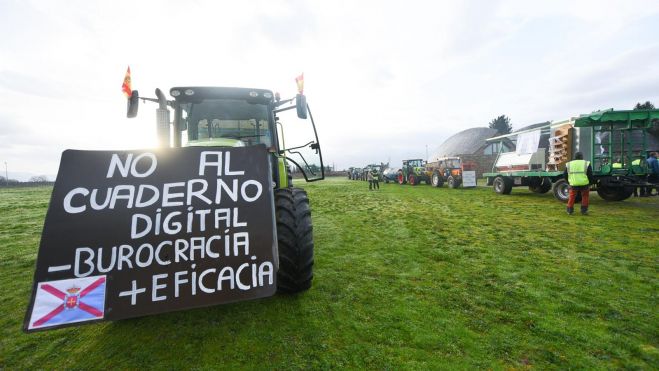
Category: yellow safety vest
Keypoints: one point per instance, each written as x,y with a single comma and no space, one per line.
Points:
637,162
576,172
617,165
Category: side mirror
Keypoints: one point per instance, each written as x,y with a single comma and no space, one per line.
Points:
133,105
301,105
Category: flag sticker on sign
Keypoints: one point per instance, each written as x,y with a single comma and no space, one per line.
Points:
68,301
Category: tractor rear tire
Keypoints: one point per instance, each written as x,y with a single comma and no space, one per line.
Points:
561,190
502,185
615,193
401,178
412,180
294,239
437,180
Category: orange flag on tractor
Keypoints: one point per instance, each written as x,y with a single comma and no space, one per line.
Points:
300,83
126,85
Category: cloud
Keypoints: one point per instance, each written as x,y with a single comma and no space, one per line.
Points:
383,78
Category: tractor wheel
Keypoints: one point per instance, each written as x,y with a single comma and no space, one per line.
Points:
502,185
401,178
561,190
412,180
294,239
451,182
543,186
615,193
437,180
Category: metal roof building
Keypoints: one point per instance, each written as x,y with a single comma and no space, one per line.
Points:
466,142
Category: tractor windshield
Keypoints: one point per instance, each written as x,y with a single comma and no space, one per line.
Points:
415,163
225,122
453,163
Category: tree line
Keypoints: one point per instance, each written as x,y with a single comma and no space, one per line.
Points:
36,180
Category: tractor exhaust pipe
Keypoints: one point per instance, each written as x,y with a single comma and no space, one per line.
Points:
162,120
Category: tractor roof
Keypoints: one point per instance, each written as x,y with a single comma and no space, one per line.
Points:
210,92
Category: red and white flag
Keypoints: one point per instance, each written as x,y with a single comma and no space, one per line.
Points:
68,301
126,86
300,83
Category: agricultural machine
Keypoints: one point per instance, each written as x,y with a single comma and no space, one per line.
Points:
390,174
450,170
350,172
238,117
356,173
413,172
612,141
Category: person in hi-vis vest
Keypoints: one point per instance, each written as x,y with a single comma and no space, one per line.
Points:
636,166
579,174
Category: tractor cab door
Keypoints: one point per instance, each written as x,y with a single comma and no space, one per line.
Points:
298,143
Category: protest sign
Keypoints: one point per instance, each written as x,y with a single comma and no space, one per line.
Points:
133,233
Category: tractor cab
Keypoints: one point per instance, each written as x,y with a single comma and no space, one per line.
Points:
449,166
239,117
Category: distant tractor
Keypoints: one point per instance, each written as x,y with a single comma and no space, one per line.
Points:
449,170
350,172
413,172
356,173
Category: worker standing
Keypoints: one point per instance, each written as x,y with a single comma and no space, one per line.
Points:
636,168
369,176
376,179
579,174
653,168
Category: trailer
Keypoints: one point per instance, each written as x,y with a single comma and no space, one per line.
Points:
610,140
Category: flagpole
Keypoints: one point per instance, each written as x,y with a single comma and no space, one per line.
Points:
6,174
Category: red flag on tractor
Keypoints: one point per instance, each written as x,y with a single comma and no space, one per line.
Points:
125,87
300,83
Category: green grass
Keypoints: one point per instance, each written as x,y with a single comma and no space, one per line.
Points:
405,278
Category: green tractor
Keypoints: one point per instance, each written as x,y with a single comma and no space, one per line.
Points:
238,117
413,172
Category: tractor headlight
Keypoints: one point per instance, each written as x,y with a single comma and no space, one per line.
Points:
189,92
175,93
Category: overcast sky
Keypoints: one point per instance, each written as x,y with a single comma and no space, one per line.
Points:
384,79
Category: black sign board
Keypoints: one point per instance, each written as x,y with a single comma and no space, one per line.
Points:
133,233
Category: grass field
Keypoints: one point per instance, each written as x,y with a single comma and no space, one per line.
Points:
405,278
